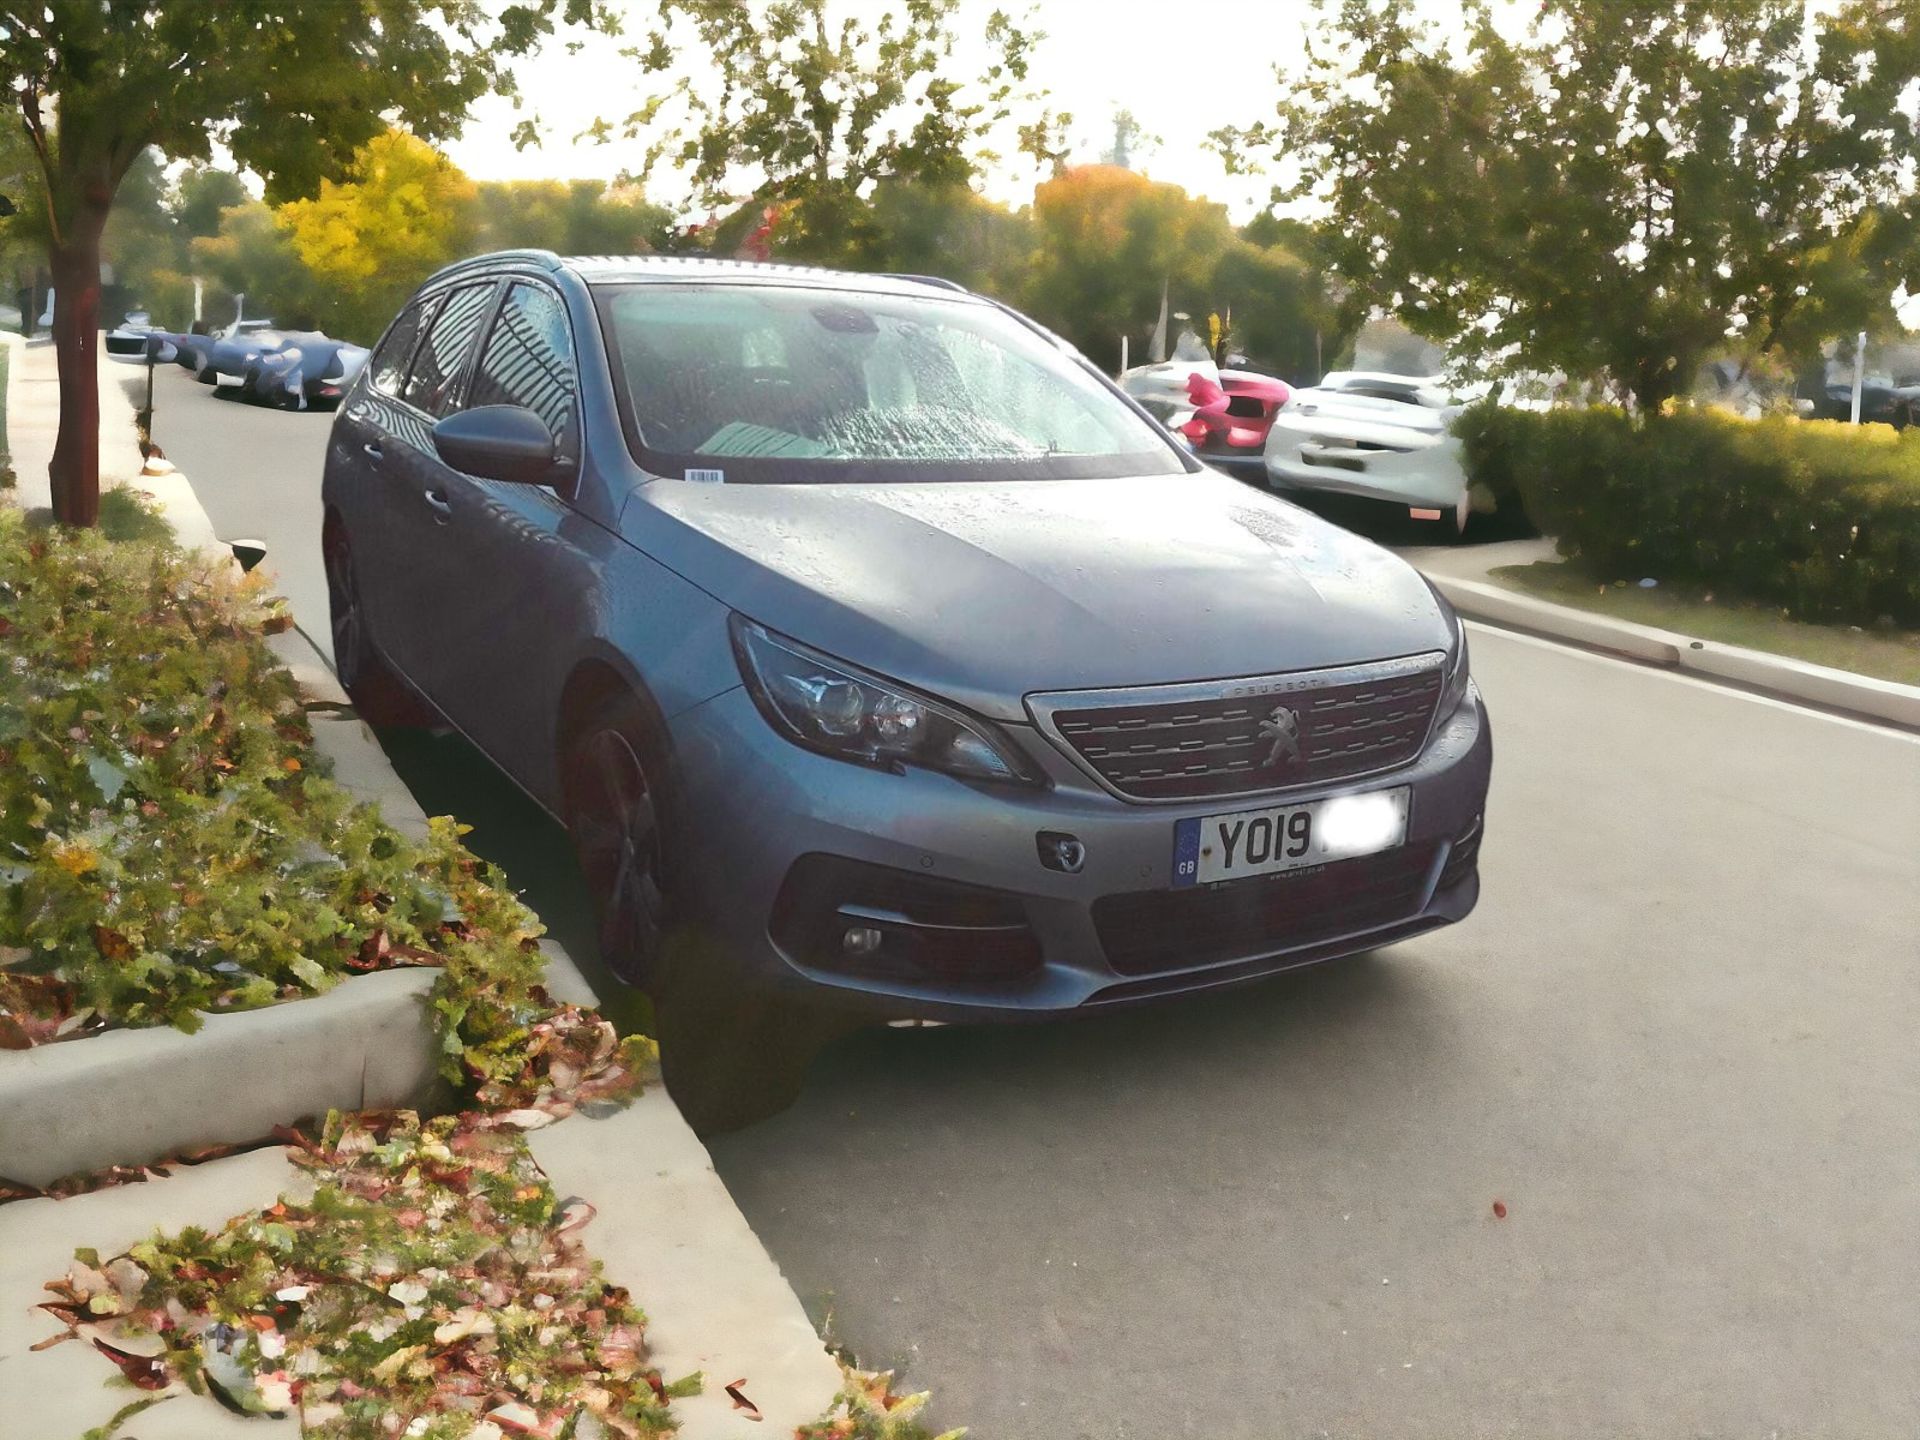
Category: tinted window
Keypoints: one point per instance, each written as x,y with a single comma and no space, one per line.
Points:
772,383
529,359
442,356
390,361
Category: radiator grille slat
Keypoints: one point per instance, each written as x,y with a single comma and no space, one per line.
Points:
1191,748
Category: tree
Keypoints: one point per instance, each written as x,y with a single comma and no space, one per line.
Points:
369,240
1621,189
291,89
204,193
254,255
809,114
573,217
1130,137
1107,239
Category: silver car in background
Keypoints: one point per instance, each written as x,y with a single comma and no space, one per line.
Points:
1376,436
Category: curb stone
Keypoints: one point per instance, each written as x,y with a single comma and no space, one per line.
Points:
1798,680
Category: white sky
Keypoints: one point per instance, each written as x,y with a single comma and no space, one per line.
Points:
1182,69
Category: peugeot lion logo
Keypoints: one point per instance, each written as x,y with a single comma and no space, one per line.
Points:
1282,727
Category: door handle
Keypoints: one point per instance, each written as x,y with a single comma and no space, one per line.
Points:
441,506
373,451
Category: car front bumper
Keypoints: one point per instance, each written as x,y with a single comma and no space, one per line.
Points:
780,850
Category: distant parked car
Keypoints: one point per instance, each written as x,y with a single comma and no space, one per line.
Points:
1382,437
1880,397
882,659
1906,405
128,340
1224,414
308,368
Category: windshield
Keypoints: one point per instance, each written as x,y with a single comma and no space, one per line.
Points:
736,383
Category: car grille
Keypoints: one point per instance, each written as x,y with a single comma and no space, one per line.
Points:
1149,931
1351,722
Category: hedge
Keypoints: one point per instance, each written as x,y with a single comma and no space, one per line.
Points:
1819,518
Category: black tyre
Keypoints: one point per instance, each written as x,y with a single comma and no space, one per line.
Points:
730,1053
615,818
380,696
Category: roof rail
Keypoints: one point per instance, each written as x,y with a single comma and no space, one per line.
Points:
545,259
937,280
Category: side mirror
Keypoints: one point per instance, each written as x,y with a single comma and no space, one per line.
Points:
499,442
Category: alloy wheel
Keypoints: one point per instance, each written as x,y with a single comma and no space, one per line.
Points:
616,832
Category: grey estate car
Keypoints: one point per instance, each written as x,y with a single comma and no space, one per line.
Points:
882,659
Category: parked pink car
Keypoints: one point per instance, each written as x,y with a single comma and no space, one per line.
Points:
1231,419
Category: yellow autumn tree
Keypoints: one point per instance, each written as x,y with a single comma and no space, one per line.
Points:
1107,239
369,240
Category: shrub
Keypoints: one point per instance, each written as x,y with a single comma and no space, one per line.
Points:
1819,518
170,844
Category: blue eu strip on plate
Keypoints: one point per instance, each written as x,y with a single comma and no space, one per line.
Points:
1186,852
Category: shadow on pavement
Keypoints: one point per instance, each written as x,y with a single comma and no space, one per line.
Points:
449,777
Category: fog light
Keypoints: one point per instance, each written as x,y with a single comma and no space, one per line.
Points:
860,940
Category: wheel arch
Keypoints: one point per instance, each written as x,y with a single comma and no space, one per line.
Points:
597,680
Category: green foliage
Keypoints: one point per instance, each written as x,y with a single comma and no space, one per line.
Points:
867,1409
369,240
570,217
434,1279
815,112
346,260
252,254
290,89
1819,518
169,844
1105,240
1616,193
6,457
203,194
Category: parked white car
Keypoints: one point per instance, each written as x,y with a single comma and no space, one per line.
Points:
1383,437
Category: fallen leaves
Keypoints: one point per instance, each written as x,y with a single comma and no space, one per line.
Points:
740,1401
485,1316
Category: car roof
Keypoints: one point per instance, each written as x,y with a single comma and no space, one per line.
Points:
670,269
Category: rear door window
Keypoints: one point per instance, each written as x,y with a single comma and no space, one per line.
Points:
528,361
433,382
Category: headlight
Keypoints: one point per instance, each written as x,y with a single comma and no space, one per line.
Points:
831,706
1457,671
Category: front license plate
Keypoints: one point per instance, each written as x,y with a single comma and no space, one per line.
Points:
1288,837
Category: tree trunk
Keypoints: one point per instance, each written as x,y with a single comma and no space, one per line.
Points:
75,471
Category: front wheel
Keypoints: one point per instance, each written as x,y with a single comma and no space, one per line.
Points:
731,1052
615,822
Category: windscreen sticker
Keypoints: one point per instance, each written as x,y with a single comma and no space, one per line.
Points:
707,477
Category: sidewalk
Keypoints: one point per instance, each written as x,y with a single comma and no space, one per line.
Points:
33,424
665,1227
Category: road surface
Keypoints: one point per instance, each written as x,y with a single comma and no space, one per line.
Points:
1677,1043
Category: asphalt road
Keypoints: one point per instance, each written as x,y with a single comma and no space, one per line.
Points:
1676,1042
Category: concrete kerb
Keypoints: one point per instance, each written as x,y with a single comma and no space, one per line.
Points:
1820,685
